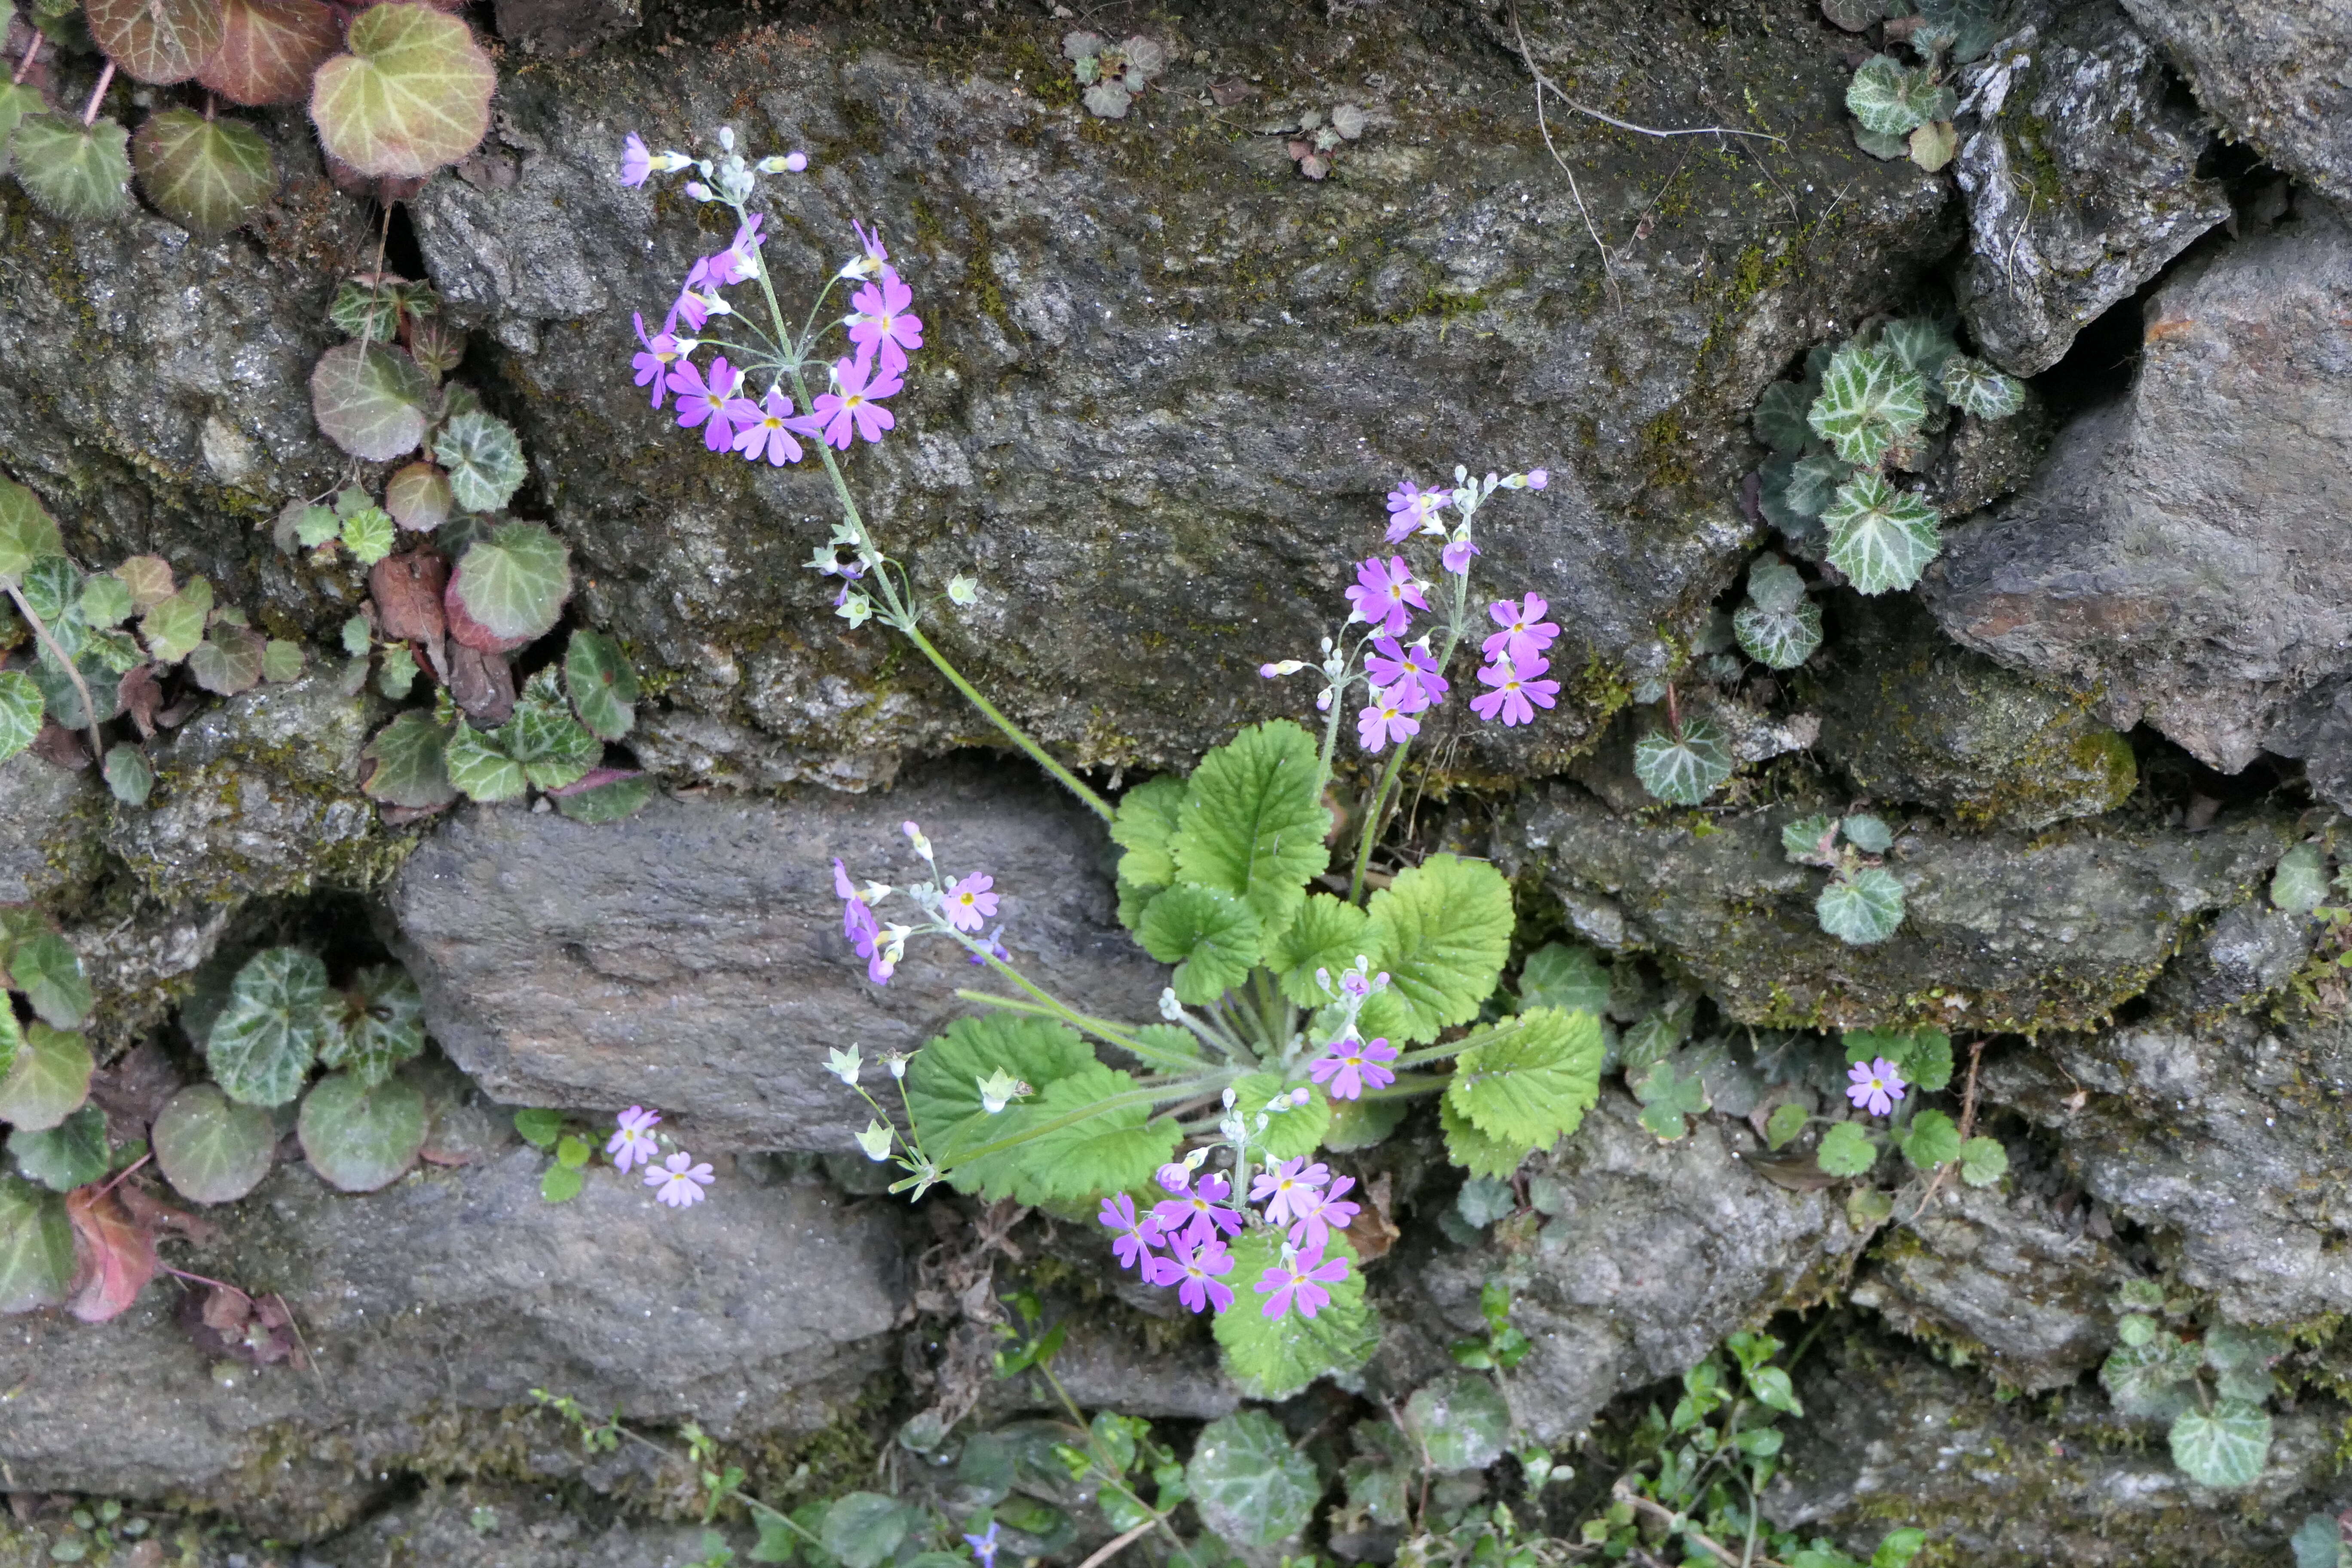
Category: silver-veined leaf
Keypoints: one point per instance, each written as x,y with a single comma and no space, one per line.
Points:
1975,387
155,41
21,703
513,583
37,1248
418,497
1779,421
409,765
71,1155
1862,909
1880,537
269,49
481,772
553,747
1869,399
45,967
1684,770
278,1015
207,176
483,458
2225,1447
1249,1482
384,1025
1782,639
370,400
27,532
48,1080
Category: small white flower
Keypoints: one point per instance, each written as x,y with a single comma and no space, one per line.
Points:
963,590
876,1141
844,1065
854,608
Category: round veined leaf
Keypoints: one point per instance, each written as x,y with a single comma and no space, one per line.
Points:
50,585
603,794
514,584
129,776
1869,399
367,534
37,1248
213,1150
1774,584
370,400
71,1155
2319,1542
358,1139
409,763
147,579
1931,1141
1210,935
155,40
1529,1079
207,176
1325,937
269,49
484,459
174,627
481,772
2299,884
1880,537
943,1080
16,100
367,307
1779,421
1846,1150
863,1530
281,661
1919,343
48,1080
105,600
1566,976
418,498
2225,1448
27,532
1975,387
1983,1161
71,171
1863,909
46,968
229,660
1870,835
277,1017
1933,145
1461,1422
1782,640
542,735
1252,1485
602,684
20,711
412,94
1888,99
1684,771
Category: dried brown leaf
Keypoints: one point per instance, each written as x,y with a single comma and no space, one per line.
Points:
408,591
114,1255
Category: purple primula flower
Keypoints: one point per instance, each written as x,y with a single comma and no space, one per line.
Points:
1352,1067
633,1144
970,902
1201,1212
869,263
1136,1237
992,946
1174,1176
1525,634
883,326
1389,716
1455,556
985,1546
681,1181
702,400
1323,1213
1300,1283
660,352
857,923
765,429
1193,1271
1409,506
1516,696
635,161
1383,592
853,402
1388,664
1286,1185
1538,477
1875,1087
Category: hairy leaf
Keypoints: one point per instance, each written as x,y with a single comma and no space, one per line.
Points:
71,1155
1921,344
543,736
370,400
27,532
479,768
862,1529
1867,833
1441,932
1931,1141
368,534
1572,979
17,99
37,1248
155,40
1251,823
602,684
1474,1151
410,764
1327,935
1461,1422
1870,400
603,794
1681,771
1983,1161
359,1138
418,498
48,1081
386,1025
1774,584
1251,1484
1846,1150
71,171
1529,1078
1933,145
1273,1358
1290,1132
483,457
207,176
513,583
105,600
269,49
412,94
213,1150
2225,1448
1861,910
229,660
943,1081
1113,1151
21,703
1781,639
277,1018
1880,537
1780,417
2145,1380
1209,934
147,579
1147,819
174,627
1975,387
2318,1540
46,968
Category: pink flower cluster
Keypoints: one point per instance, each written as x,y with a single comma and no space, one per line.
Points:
1515,660
681,1181
1194,1221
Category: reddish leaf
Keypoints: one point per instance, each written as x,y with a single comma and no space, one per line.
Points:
156,1215
115,1254
60,746
408,591
471,632
226,1312
269,49
596,778
141,697
155,40
482,685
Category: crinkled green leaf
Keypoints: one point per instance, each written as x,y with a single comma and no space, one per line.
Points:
1975,387
48,1080
1329,935
1867,833
384,1027
129,776
269,49
358,636
1812,481
1983,1161
1461,1422
1869,399
2299,884
367,308
279,1017
1863,909
1474,1151
370,399
2224,1449
1964,29
515,582
52,586
1846,1150
410,764
1802,840
1570,978
1931,1141
602,684
315,525
1252,1485
412,94
1685,771
944,1082
1880,537
2144,1381
1273,1358
1667,1098
1529,1079
213,1150
1147,819
46,968
1250,823
1921,344
27,532
358,1138
21,704
2318,1540
281,661
1211,936
1441,932
553,747
1115,1150
368,534
172,628
1781,639
1780,417
71,1155
562,1184
479,768
207,176
483,458
1293,1131
229,660
397,673
155,41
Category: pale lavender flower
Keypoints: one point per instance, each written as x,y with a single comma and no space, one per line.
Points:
1351,1067
632,1143
857,923
635,161
1175,1177
681,1181
992,946
1193,1271
1389,716
1300,1282
1455,556
1135,1238
1538,477
1286,1185
1875,1087
985,1546
765,429
969,902
1525,635
659,353
702,400
1409,506
1323,1213
1515,696
1383,591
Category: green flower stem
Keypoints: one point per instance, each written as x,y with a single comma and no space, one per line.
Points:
1407,1085
1109,1033
1383,797
1213,1082
1018,736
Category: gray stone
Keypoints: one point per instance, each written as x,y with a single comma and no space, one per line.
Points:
2001,932
50,822
485,1525
2253,950
2081,183
1910,716
691,957
2180,551
2228,1140
1660,1250
2277,73
2000,1280
564,26
446,1297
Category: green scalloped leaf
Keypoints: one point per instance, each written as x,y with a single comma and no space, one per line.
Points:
155,41
229,660
1684,771
2226,1448
1780,419
604,795
1921,344
368,308
479,768
73,171
278,1016
71,1155
1975,387
368,534
16,100
1441,930
207,176
384,1026
1983,1161
1880,537
1530,1078
1570,978
1863,909
1248,1479
1932,1141
172,628
281,661
418,498
1329,935
46,968
269,50
1889,98
1779,639
358,1138
1869,399
1209,934
1251,823
413,95
483,457
514,583
48,1080
1273,1358
1145,821
21,704
1668,1098
410,764
37,1248
1774,584
105,600
942,1087
27,532
1117,1151
1846,1150
211,1149
1494,1158
370,400
1290,1132
551,745
602,684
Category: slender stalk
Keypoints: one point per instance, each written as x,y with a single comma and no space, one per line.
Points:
73,673
1014,732
1111,1034
1100,1108
1081,1021
1383,796
24,65
105,78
